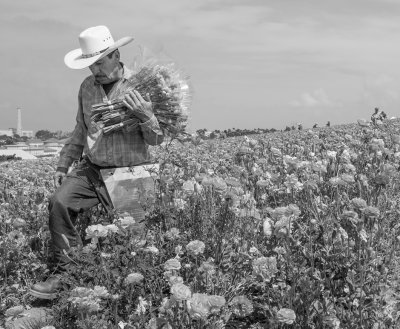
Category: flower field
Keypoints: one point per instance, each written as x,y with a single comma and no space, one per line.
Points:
295,229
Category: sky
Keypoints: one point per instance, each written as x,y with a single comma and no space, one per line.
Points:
252,63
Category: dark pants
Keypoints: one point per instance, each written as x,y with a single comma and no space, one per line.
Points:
81,190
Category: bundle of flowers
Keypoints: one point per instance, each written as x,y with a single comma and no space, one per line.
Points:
112,116
168,89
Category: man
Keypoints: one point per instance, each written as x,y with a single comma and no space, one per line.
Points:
83,187
377,115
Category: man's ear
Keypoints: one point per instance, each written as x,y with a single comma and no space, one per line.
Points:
117,54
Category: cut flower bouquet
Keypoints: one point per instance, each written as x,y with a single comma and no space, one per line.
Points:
167,87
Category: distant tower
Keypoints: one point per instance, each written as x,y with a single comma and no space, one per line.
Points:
19,122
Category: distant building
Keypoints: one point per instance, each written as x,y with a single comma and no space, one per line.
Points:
12,131
17,131
27,133
19,122
35,143
17,146
7,132
37,147
53,145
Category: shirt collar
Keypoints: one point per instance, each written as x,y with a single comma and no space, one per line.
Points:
127,73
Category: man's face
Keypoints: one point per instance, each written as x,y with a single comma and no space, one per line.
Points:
106,70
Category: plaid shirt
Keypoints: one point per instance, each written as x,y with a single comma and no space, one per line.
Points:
122,148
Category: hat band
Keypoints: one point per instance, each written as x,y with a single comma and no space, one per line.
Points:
94,54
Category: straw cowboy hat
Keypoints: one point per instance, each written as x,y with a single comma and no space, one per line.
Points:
96,42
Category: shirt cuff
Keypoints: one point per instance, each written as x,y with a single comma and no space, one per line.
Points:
151,123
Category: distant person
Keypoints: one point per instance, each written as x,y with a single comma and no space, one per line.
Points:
83,187
378,116
300,126
315,125
328,124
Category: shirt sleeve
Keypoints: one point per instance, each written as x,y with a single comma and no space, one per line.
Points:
152,132
73,148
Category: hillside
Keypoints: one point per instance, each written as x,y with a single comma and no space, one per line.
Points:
291,229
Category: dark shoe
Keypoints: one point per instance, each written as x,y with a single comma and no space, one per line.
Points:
47,289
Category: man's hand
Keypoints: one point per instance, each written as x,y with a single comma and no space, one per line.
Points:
141,108
58,178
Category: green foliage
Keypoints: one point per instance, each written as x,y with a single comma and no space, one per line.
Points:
291,229
4,158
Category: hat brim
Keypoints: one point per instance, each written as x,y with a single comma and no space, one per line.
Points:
74,59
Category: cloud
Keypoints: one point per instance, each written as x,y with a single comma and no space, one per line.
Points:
316,98
234,50
381,90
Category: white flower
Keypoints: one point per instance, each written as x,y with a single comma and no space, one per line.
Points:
331,321
267,227
154,324
179,203
126,222
172,264
216,302
166,304
172,233
276,151
349,167
253,250
173,279
198,306
112,228
152,250
265,267
195,247
181,291
141,307
331,154
100,291
122,324
18,223
292,182
343,233
134,278
188,187
105,255
178,250
363,235
14,311
96,231
286,315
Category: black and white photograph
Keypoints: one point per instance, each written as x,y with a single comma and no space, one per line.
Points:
200,164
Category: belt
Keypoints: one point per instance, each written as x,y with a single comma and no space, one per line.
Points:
95,166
